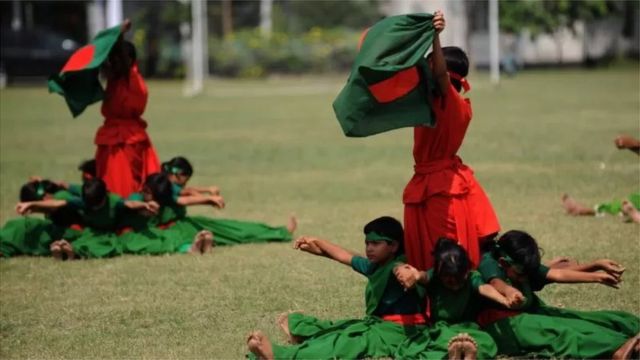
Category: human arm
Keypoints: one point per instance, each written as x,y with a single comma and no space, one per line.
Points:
573,276
29,207
492,293
439,65
196,190
213,200
606,265
142,206
408,276
320,247
513,296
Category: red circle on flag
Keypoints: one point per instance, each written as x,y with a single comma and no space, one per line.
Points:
80,59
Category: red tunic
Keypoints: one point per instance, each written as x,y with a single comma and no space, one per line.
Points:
125,155
443,198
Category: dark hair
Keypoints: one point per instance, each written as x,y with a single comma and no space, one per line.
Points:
457,62
389,227
450,258
88,167
520,247
180,163
94,193
130,50
160,187
35,190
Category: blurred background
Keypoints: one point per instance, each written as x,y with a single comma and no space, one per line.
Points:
258,38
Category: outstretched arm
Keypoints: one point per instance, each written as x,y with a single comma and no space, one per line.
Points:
150,206
606,265
573,276
514,296
213,200
29,207
439,64
197,190
490,292
408,276
325,248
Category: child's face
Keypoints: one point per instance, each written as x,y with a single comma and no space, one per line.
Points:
453,282
379,252
179,179
514,272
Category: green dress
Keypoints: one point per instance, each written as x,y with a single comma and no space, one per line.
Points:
545,331
99,238
452,313
359,338
173,231
614,207
32,236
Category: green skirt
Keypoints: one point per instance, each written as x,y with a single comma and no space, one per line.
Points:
433,342
344,339
180,235
32,236
554,332
94,244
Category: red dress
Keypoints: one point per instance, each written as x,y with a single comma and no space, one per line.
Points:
443,198
125,155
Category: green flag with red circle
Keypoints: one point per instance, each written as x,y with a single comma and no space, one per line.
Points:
390,81
78,81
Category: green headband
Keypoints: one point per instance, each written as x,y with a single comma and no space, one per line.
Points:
173,170
40,191
374,236
518,267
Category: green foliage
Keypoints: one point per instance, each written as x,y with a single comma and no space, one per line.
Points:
355,14
545,16
248,54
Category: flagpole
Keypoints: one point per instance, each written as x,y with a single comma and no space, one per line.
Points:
494,50
114,13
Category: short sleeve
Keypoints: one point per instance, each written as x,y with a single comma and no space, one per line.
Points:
362,265
476,280
75,189
175,192
75,202
136,197
489,268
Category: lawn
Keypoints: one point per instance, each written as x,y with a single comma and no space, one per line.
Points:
274,148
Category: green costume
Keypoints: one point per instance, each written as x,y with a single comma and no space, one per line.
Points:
541,330
359,338
172,231
452,313
99,238
615,207
33,236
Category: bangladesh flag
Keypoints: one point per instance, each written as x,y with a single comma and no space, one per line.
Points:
78,80
390,79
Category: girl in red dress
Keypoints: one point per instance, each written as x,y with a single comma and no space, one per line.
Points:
443,199
125,155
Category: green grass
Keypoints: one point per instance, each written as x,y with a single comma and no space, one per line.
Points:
275,148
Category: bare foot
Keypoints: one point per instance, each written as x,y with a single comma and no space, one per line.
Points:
292,224
574,208
207,242
629,210
260,346
462,346
56,249
283,323
198,243
68,250
627,350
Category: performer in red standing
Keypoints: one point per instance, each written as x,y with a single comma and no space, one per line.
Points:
443,199
125,155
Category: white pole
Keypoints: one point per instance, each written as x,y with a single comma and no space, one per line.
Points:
198,44
16,18
114,12
494,51
265,17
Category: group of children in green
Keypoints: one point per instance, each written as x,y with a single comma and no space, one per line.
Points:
458,299
87,221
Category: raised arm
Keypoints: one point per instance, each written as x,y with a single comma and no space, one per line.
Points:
439,64
573,276
325,248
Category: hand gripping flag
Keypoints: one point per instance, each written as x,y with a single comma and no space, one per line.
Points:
390,79
78,80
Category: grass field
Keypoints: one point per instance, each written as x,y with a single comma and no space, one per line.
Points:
275,148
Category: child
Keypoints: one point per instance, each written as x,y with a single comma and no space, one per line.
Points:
392,313
124,155
455,293
443,198
513,267
101,211
35,236
227,232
